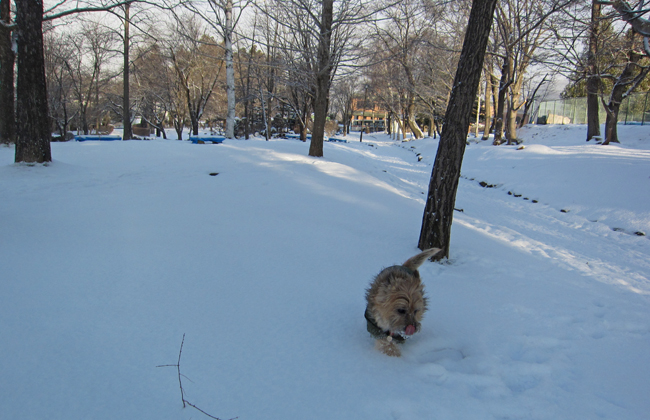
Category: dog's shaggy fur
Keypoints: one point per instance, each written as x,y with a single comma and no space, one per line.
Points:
396,303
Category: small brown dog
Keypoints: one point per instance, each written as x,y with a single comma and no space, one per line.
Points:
396,303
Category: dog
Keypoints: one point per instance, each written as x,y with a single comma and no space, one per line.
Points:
396,303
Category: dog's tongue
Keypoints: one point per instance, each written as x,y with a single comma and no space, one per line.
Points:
410,330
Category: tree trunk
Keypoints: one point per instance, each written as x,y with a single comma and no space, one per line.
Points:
230,73
593,78
504,83
488,106
611,133
511,121
413,125
7,60
622,86
441,198
529,103
32,120
126,101
178,126
323,79
194,119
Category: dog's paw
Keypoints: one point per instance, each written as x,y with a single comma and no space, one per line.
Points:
388,348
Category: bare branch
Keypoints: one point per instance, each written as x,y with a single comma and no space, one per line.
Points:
180,383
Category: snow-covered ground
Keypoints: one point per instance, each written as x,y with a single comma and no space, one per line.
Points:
112,253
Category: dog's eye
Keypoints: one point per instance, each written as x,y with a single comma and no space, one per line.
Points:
401,311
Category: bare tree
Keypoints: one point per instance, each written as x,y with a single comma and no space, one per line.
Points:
126,100
7,60
321,37
593,78
391,94
223,16
32,122
344,91
523,26
196,58
635,70
90,51
438,212
60,95
636,66
403,36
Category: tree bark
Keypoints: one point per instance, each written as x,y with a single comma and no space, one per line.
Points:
126,101
32,120
410,120
441,198
619,92
230,72
504,83
488,105
323,79
7,61
593,78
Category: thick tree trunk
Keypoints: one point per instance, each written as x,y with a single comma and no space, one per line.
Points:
622,85
323,80
32,120
611,122
413,125
230,73
593,78
194,119
511,122
126,101
7,60
439,209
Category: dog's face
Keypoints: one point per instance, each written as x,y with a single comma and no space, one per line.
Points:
397,302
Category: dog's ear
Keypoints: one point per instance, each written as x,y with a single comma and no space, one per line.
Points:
414,262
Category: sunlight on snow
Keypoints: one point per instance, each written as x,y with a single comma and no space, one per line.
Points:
333,169
601,271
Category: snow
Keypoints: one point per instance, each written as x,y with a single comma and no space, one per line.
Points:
116,250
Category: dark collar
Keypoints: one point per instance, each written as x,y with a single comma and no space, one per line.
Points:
377,332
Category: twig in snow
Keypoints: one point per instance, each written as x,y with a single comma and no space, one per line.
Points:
180,383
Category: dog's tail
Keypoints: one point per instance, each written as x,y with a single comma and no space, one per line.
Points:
416,261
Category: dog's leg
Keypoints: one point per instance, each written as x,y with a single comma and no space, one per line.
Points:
387,347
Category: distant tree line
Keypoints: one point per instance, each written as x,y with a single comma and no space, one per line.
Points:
250,67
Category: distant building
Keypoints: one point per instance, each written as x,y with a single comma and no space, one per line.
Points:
370,117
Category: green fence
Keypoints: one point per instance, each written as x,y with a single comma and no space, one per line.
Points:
635,109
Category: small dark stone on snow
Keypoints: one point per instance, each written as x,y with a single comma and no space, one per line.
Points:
564,211
486,185
214,173
639,233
